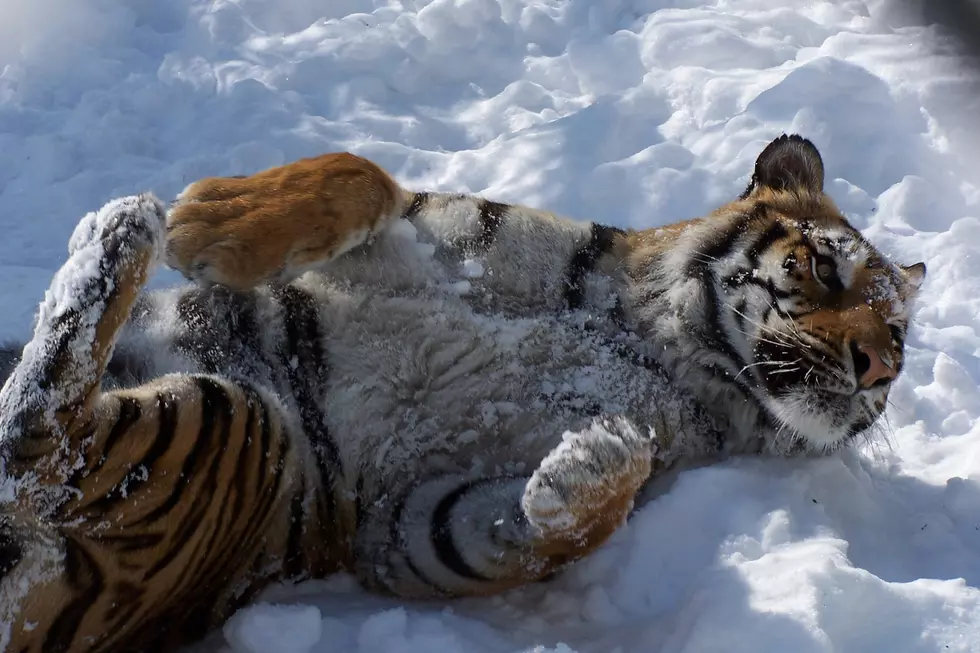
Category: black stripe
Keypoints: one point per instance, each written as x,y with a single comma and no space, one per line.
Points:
700,267
265,442
199,340
195,622
770,287
859,426
130,412
739,278
897,334
716,436
720,247
293,555
25,459
155,634
584,260
167,408
766,312
249,481
360,514
740,317
83,576
243,472
220,526
127,543
220,328
418,202
773,234
399,541
489,220
266,493
84,434
96,290
59,354
242,321
58,359
441,534
124,369
618,315
302,345
778,293
11,551
169,419
214,402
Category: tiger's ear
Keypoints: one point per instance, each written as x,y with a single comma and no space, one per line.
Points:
915,274
788,163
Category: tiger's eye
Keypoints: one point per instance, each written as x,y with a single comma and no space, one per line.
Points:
825,270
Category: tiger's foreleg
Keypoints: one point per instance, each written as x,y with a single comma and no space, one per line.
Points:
454,536
130,520
53,390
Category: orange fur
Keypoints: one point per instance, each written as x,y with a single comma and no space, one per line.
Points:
598,511
278,223
853,314
140,570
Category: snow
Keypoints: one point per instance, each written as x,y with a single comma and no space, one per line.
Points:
285,629
472,268
629,112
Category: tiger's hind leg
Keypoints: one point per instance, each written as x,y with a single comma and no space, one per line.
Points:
455,536
131,520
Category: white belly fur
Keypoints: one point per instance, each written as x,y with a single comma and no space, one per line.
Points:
425,379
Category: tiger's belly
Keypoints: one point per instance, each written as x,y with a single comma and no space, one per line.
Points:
421,386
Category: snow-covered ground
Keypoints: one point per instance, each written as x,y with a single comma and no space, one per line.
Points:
632,112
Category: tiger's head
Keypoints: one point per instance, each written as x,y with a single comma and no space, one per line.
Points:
777,302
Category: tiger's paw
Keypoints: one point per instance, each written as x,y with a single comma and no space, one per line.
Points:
136,221
583,490
241,232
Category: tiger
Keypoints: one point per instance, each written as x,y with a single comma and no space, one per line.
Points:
436,393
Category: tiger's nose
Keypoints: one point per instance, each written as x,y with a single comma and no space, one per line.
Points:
869,367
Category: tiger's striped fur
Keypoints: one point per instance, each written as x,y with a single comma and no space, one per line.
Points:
466,403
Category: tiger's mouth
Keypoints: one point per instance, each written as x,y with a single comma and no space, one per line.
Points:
813,398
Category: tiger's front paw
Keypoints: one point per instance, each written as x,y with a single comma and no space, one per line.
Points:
275,225
583,490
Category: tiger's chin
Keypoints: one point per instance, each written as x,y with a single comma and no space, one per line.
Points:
820,423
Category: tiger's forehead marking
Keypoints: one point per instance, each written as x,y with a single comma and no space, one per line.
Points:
860,265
